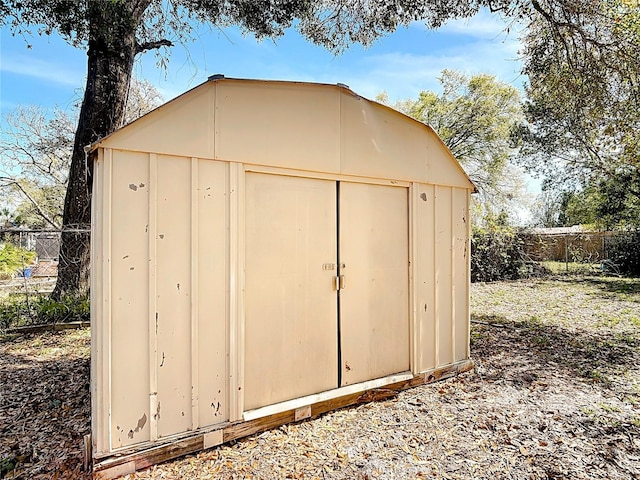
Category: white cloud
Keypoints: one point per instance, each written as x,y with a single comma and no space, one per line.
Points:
58,73
404,75
482,25
478,45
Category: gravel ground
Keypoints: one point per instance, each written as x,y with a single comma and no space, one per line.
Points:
555,394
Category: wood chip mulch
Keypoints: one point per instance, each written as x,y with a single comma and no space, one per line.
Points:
555,394
44,404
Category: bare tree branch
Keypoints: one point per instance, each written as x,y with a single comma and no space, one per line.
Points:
143,47
10,181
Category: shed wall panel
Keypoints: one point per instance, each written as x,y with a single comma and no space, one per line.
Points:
374,304
425,253
374,138
290,303
184,127
100,368
443,273
294,127
213,292
460,291
379,142
129,272
173,295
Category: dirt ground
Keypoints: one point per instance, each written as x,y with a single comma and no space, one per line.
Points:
555,394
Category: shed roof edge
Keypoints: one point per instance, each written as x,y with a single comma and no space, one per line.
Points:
340,86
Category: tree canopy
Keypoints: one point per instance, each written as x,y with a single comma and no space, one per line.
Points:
475,117
582,107
114,32
35,153
581,57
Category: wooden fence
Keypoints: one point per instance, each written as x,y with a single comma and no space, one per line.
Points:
586,247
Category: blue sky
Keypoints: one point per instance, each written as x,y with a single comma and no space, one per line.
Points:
52,73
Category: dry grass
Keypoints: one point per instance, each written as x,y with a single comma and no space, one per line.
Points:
555,395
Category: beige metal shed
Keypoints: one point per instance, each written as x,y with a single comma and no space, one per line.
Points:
263,252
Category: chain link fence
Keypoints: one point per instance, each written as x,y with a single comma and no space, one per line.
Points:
581,251
25,299
509,254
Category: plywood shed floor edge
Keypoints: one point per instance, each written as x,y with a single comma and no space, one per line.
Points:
123,464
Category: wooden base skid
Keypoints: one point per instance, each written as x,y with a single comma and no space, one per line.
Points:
128,462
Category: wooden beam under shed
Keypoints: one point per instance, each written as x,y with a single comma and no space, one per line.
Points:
130,461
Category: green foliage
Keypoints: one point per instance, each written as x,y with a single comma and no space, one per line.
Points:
498,253
68,308
17,311
623,251
7,465
13,312
607,204
475,116
13,258
583,99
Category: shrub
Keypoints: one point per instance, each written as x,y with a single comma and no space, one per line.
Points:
16,311
499,254
13,258
623,251
70,308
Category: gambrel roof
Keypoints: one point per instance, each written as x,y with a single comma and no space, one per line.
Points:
303,126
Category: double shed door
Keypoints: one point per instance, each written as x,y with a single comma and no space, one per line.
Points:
326,285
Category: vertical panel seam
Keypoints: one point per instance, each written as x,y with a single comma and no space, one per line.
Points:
106,305
340,132
235,349
95,313
453,274
468,271
414,325
215,120
106,258
338,273
195,371
241,230
436,314
152,298
227,281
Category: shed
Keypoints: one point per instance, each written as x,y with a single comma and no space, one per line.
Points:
263,252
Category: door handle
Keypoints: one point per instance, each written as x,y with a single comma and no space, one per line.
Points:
341,282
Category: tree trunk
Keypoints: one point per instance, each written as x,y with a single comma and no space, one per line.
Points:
111,52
